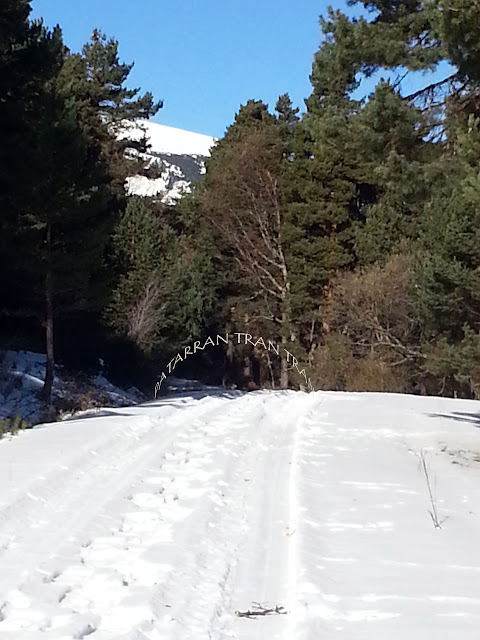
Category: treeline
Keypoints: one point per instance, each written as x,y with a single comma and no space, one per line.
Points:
62,173
351,233
348,234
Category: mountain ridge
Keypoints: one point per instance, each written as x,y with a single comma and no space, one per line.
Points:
178,154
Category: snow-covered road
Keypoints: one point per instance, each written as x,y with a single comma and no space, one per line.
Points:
162,521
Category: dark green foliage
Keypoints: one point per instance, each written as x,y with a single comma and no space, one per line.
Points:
335,66
30,59
398,33
447,285
325,185
253,116
98,79
168,291
107,77
199,273
362,180
397,163
287,114
348,234
63,112
457,24
139,303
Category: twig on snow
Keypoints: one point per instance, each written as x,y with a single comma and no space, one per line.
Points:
260,610
433,512
437,523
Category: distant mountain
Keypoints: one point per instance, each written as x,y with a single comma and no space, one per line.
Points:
180,156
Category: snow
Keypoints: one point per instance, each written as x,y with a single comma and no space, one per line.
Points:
22,374
164,139
172,150
161,521
143,186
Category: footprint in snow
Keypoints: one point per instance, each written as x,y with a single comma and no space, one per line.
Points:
51,577
63,595
87,631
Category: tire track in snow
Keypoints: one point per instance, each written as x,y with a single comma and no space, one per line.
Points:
294,563
263,567
186,516
234,551
208,548
84,490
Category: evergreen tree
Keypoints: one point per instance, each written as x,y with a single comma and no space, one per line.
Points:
252,116
399,164
200,274
425,186
60,206
398,33
29,57
170,281
108,108
139,305
13,25
447,284
64,225
244,202
325,187
286,112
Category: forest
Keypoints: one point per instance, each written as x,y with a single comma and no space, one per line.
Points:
347,233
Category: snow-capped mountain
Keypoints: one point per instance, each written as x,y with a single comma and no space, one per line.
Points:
180,155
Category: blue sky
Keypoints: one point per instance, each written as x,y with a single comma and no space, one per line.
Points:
203,57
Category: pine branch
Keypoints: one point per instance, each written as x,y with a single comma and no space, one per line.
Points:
430,88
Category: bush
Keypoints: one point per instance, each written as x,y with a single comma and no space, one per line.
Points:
12,425
372,334
373,374
453,369
80,401
331,363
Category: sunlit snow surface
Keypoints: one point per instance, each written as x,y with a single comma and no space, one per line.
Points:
161,521
182,155
171,140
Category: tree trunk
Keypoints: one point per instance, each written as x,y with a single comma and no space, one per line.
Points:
247,370
284,373
227,378
284,356
47,387
285,328
270,370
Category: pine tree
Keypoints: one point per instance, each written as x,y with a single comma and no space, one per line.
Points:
425,189
61,205
447,286
170,280
398,33
286,112
244,202
139,305
200,274
64,225
29,57
325,187
399,164
107,108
